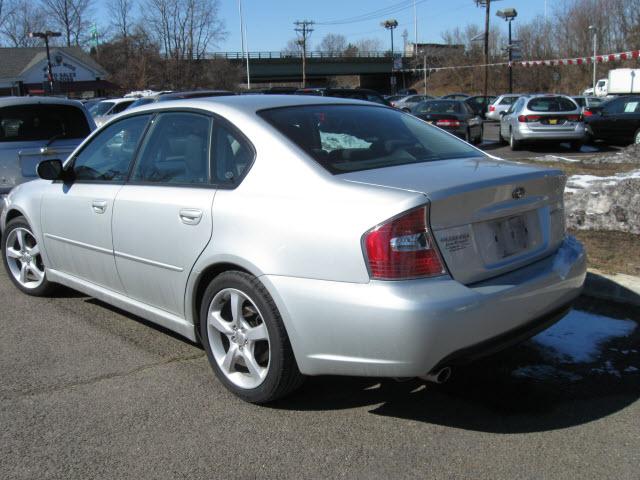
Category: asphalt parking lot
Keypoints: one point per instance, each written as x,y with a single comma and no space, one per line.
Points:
492,146
89,391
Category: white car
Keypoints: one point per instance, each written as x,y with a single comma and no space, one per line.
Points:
501,104
104,110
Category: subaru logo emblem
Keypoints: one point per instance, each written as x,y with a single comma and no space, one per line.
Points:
518,193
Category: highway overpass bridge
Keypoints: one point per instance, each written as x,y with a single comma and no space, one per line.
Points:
373,68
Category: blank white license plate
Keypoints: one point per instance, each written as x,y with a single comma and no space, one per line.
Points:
511,235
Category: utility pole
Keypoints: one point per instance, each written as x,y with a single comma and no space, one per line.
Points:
424,64
595,50
303,28
487,5
415,29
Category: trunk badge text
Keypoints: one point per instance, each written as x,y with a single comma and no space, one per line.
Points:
518,193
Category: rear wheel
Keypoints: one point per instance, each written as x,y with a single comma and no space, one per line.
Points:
245,339
576,146
480,136
23,260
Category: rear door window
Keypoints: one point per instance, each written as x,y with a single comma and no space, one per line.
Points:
121,107
551,104
24,123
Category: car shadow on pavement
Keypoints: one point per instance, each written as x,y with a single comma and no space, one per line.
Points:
493,395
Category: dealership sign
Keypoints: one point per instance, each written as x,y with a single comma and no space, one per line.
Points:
64,67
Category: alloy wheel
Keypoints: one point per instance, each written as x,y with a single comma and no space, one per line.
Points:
238,338
23,258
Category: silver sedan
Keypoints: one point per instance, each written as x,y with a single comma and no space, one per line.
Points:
542,118
297,236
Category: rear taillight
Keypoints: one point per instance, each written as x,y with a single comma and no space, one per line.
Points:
403,248
588,113
492,108
574,118
447,123
529,118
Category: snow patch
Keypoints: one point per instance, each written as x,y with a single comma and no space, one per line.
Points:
582,182
578,337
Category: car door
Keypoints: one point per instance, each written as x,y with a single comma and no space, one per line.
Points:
76,217
162,216
605,125
629,119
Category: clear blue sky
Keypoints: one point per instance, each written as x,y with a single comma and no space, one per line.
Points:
270,22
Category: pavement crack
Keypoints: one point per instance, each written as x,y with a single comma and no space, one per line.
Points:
102,378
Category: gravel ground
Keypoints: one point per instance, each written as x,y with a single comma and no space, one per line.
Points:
88,391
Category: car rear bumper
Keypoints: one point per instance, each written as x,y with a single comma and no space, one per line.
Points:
407,328
495,115
527,134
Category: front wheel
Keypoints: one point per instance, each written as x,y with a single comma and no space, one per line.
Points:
245,339
23,260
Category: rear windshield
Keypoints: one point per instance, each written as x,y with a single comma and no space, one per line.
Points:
100,108
23,123
507,100
351,138
551,104
438,107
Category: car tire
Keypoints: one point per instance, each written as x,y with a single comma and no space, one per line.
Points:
480,136
249,350
23,261
501,139
576,146
513,143
467,136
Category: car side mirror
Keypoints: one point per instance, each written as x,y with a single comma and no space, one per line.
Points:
50,169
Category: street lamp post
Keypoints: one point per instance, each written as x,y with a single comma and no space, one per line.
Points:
595,61
391,25
509,14
45,36
243,37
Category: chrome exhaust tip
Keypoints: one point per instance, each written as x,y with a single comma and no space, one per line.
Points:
438,376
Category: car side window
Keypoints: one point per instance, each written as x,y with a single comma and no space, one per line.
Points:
176,150
231,155
107,157
614,107
631,106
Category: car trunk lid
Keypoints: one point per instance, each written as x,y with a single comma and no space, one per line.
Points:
488,217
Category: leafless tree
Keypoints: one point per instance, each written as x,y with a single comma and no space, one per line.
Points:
21,18
333,44
293,47
71,17
185,31
369,45
121,13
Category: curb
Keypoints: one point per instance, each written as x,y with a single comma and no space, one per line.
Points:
617,288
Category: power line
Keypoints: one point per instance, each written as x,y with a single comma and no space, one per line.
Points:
382,12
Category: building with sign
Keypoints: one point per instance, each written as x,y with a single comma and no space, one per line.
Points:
23,71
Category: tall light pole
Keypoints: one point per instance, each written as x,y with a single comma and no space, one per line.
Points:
595,49
243,35
45,36
391,25
509,14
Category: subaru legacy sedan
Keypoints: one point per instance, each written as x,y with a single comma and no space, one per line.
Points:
296,235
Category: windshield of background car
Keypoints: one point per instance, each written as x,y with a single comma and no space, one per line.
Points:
551,104
100,108
431,106
351,138
23,123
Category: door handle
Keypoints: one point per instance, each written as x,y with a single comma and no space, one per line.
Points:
99,206
190,216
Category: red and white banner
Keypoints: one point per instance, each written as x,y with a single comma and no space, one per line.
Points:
611,57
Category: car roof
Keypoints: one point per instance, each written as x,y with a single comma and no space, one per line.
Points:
119,100
11,101
252,103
